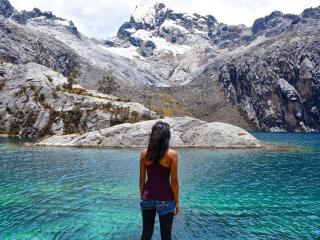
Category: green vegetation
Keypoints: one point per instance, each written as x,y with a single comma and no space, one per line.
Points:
71,120
55,94
2,125
166,105
72,78
22,91
78,91
16,122
2,84
107,85
50,79
30,117
137,117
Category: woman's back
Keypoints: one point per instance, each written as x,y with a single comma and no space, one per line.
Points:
158,183
164,161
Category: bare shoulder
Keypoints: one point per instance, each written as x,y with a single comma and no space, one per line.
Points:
173,155
143,152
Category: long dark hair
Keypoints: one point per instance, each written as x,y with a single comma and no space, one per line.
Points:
159,141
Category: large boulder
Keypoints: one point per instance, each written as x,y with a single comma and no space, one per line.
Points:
185,132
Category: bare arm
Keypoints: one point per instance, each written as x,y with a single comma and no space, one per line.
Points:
142,177
174,181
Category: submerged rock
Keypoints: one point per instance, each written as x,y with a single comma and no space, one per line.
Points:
185,132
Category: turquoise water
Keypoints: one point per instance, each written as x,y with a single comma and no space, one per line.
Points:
57,193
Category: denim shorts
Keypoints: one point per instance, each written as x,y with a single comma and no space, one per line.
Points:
162,207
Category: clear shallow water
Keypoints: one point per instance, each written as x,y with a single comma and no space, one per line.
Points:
57,193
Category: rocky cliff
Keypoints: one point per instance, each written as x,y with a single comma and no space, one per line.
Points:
36,101
275,78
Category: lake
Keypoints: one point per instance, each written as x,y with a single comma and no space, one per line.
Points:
71,193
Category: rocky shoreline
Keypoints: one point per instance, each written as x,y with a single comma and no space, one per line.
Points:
186,132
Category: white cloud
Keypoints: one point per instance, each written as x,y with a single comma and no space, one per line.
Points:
100,18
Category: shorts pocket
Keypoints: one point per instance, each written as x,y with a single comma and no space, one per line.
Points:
165,207
163,204
145,204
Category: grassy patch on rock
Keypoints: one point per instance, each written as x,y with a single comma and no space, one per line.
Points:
2,84
78,91
167,105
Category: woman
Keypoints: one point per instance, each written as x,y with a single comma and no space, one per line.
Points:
159,194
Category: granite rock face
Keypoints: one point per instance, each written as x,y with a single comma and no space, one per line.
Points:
276,20
185,132
276,79
34,102
20,45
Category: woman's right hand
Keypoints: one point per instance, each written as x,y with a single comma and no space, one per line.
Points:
177,210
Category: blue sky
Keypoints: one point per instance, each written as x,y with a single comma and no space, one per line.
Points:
102,18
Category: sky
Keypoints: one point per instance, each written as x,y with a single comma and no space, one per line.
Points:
102,18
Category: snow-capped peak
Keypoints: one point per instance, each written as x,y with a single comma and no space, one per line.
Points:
149,15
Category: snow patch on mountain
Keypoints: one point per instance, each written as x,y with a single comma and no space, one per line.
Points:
170,25
144,14
162,45
128,52
63,23
149,14
36,71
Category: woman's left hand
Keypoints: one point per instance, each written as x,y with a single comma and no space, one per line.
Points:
176,212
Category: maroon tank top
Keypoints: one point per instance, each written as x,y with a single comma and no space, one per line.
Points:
157,186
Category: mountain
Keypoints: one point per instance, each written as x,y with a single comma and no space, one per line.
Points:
270,71
264,77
